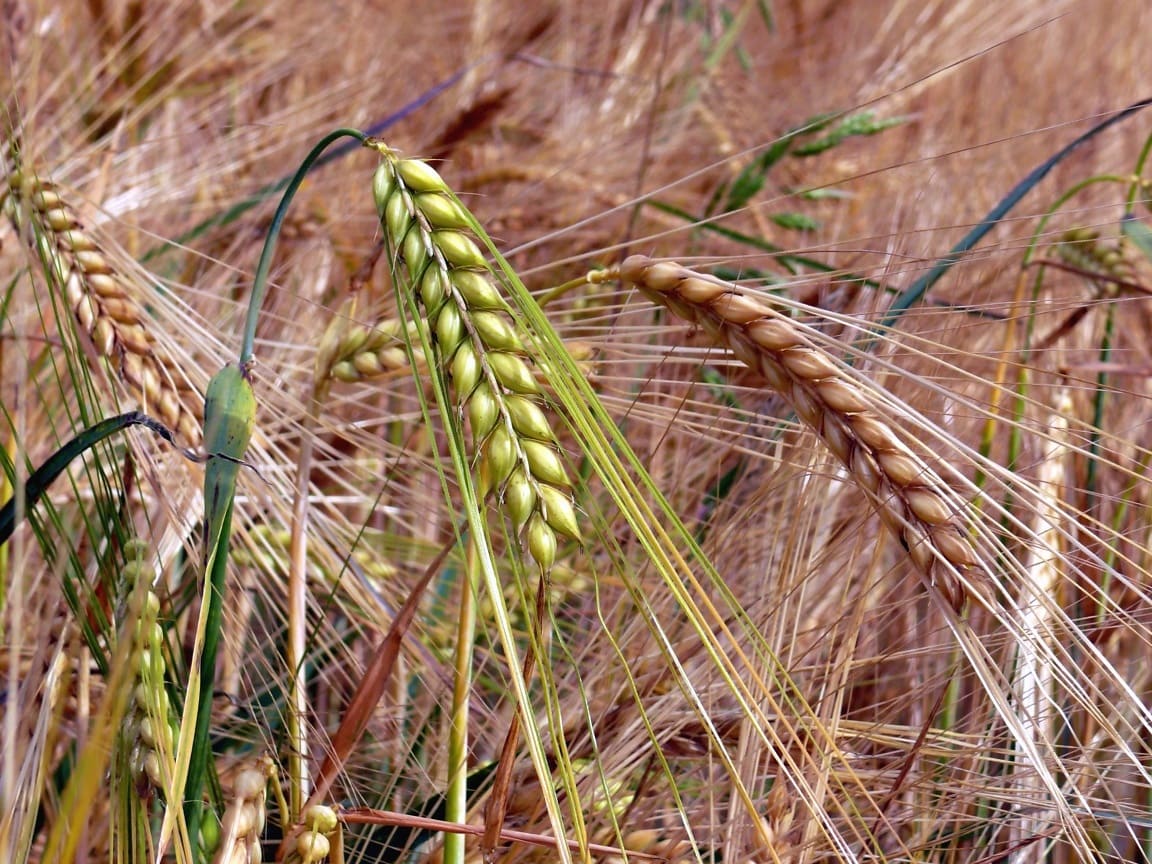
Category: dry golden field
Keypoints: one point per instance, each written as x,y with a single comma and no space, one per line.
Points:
656,479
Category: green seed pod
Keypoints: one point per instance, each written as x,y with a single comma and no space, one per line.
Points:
393,358
449,329
152,768
398,216
542,543
483,411
320,818
432,290
415,253
500,455
136,571
545,463
146,732
458,249
496,332
141,694
352,340
367,365
142,657
210,831
441,211
558,511
345,371
312,846
476,287
383,185
466,370
512,372
135,548
383,333
420,176
156,668
519,497
527,418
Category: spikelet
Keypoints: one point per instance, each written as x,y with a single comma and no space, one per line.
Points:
148,723
1084,248
475,338
352,352
911,498
102,302
244,820
313,843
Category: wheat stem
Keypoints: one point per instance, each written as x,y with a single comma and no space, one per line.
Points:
260,280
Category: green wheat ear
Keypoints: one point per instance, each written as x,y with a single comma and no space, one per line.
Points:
515,456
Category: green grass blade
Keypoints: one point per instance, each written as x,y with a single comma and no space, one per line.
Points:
38,482
924,284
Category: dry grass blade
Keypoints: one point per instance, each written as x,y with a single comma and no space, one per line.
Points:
911,498
101,302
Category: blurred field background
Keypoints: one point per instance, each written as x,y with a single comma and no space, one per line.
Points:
831,709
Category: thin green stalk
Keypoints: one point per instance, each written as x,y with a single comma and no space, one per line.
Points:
456,803
260,281
229,415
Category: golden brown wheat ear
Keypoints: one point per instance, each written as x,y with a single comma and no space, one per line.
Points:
911,498
102,302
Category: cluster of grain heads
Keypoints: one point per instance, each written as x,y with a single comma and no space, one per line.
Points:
101,301
1083,248
476,341
148,722
246,815
352,352
911,498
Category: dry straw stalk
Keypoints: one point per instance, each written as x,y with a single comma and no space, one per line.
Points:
910,497
102,302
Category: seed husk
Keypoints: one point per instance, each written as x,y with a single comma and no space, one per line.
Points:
559,512
528,418
542,542
545,463
512,372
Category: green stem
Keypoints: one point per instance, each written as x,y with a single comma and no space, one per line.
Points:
456,800
260,282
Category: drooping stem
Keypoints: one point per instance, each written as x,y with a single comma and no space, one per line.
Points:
260,281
